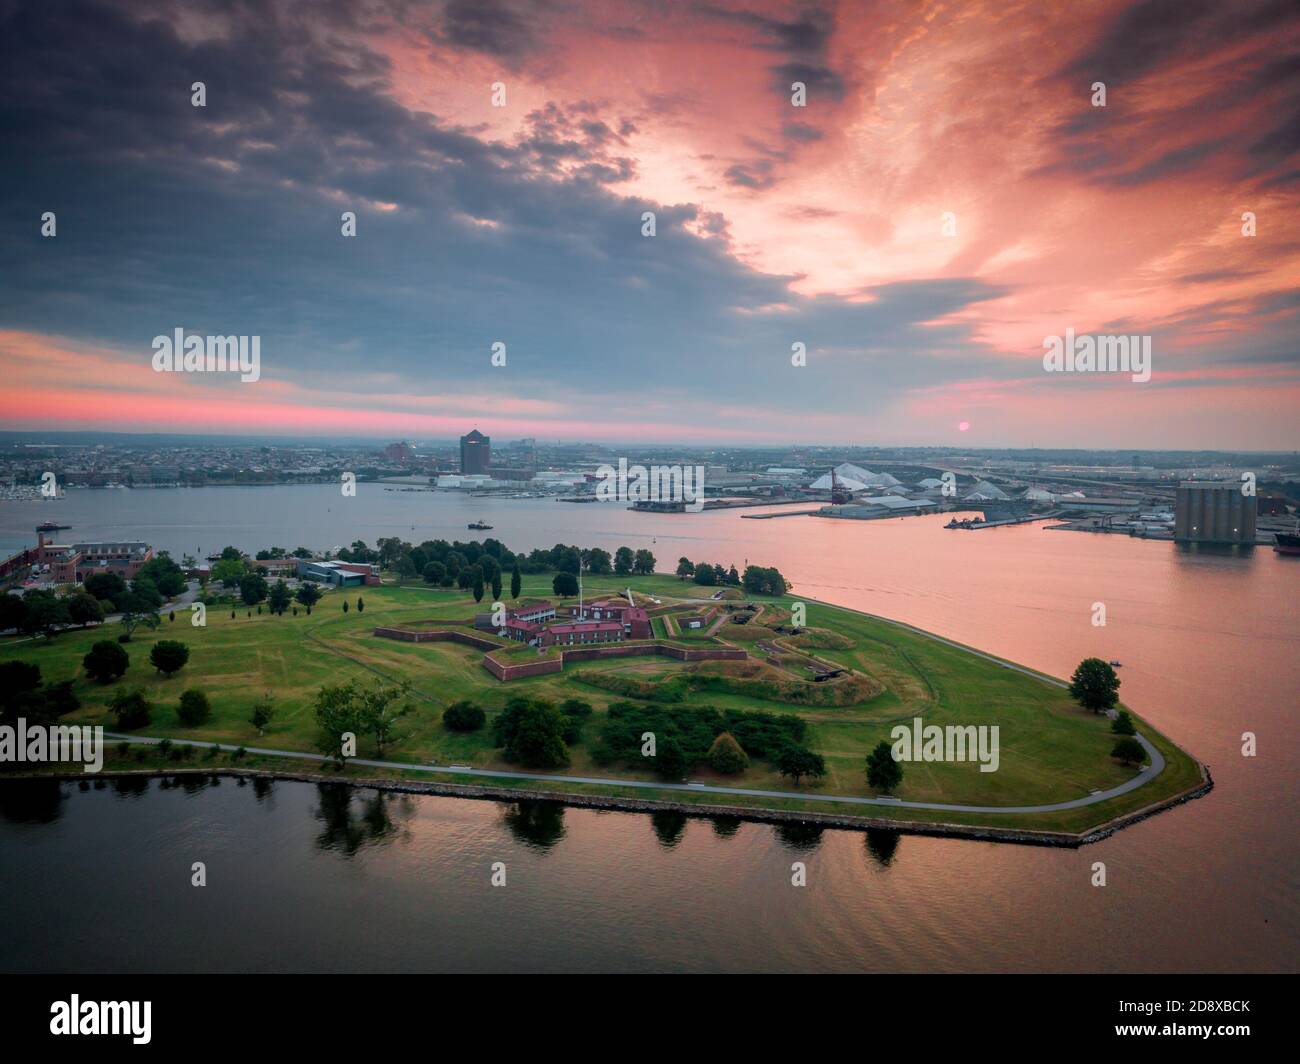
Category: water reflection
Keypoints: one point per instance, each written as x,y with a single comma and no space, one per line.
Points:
130,786
350,825
725,827
32,801
881,844
263,788
537,824
669,826
799,836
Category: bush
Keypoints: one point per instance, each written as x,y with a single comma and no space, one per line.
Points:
727,756
169,656
463,717
131,708
575,713
194,708
105,661
884,773
532,733
1129,751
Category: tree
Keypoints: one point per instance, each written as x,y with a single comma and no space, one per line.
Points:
463,717
623,560
337,717
727,756
136,611
435,573
565,585
308,594
164,574
105,661
43,614
763,581
884,773
798,762
496,586
516,580
106,587
1123,723
1129,751
404,567
361,604
169,656
252,588
685,568
279,597
345,605
229,571
12,612
705,575
670,759
575,712
146,591
644,564
532,733
131,708
194,708
380,710
598,561
263,712
84,609
478,584
1094,685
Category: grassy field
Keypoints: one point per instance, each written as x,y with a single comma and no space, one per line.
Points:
1051,750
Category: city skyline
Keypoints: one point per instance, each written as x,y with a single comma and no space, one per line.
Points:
821,225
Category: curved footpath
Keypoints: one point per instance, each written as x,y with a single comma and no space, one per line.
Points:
1157,765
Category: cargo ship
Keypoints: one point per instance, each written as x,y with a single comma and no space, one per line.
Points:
479,526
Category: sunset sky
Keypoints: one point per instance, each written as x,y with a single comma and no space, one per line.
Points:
776,224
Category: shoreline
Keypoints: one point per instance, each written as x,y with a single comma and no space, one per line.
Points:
756,814
499,791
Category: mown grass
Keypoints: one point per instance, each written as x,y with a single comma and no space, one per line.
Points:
1051,750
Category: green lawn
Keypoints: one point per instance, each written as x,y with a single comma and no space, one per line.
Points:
1051,750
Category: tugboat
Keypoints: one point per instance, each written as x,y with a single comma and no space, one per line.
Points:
1288,542
479,526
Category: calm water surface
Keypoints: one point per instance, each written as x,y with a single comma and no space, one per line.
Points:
304,879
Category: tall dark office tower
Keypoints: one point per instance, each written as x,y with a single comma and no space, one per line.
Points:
475,453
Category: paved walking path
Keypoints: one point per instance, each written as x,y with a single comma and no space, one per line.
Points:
1157,765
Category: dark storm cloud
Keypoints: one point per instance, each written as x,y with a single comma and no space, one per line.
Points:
1123,142
226,219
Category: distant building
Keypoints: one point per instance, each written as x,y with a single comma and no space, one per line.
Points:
400,452
867,508
475,453
340,574
1208,511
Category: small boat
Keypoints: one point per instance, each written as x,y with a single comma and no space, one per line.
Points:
479,526
1117,664
1287,543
